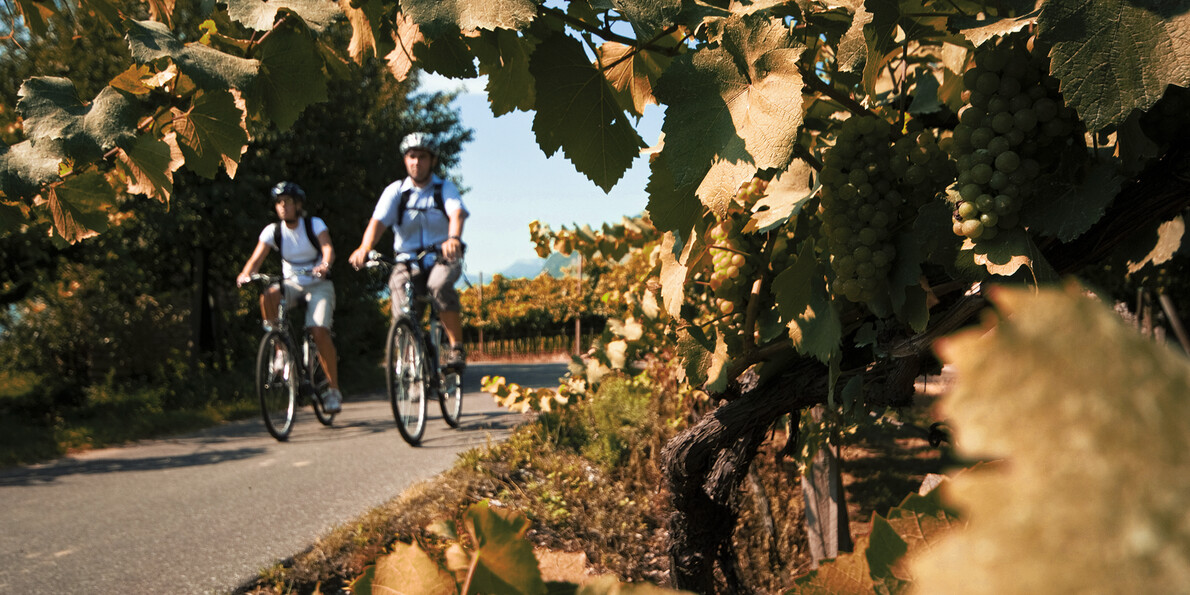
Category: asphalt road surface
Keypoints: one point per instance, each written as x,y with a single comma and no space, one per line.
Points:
205,512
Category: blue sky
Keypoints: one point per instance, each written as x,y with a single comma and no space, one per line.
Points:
511,182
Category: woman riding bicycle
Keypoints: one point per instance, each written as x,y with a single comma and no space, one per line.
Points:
424,211
306,254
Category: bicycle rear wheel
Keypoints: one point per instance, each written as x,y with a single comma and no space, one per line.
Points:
406,380
276,386
451,390
318,381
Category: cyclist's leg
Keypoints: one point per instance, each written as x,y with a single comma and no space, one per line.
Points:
396,287
270,302
441,284
319,319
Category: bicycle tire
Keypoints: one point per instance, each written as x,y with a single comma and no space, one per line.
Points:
318,382
450,381
276,389
406,380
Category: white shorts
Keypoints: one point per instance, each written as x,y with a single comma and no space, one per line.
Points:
319,297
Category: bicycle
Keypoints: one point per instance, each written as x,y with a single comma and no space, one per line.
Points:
410,376
277,368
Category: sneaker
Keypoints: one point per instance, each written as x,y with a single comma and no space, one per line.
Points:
279,368
456,359
332,400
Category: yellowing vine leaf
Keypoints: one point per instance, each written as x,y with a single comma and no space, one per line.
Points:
262,15
148,166
410,571
79,206
631,73
211,132
1169,241
503,560
406,34
1093,422
436,15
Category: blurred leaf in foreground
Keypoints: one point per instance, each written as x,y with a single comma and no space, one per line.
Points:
1093,421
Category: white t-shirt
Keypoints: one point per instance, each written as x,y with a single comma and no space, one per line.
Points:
424,225
297,251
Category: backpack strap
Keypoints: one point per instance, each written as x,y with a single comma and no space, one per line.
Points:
403,201
309,221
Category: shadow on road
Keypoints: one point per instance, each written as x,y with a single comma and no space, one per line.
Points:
65,467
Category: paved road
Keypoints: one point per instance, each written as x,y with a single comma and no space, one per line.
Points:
203,513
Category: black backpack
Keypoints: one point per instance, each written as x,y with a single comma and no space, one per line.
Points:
439,202
309,221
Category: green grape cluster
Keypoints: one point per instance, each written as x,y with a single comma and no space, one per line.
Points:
866,179
1013,126
731,264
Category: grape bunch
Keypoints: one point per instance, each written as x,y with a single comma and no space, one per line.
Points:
1013,126
867,181
730,262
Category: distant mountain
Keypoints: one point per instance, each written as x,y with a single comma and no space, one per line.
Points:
531,267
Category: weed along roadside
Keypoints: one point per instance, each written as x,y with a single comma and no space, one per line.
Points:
577,493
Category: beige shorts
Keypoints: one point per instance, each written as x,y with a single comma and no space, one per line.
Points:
319,297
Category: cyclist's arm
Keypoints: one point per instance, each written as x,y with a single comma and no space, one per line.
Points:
328,254
452,248
253,264
371,234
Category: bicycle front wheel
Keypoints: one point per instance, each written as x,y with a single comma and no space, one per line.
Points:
276,384
406,380
318,381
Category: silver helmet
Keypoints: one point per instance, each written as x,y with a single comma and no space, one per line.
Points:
419,140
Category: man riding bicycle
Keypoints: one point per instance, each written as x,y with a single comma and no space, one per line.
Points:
426,214
306,254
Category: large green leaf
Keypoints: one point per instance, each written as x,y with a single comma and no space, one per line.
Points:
1114,56
210,131
25,166
648,16
79,206
802,298
435,16
1066,210
52,111
732,109
447,54
503,560
261,16
577,111
148,166
1093,422
291,77
504,58
784,198
207,67
671,208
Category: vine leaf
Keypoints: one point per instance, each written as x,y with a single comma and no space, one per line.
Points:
1115,56
148,166
732,110
673,276
504,58
1169,241
79,206
408,569
261,16
632,73
853,47
504,560
979,31
671,207
406,34
1006,254
436,16
368,30
446,54
648,17
52,111
1105,393
1075,207
207,67
803,301
577,112
785,196
291,78
25,166
210,132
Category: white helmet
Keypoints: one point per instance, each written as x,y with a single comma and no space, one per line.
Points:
419,140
